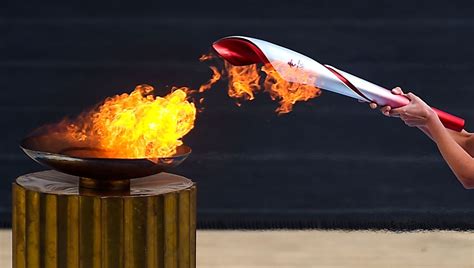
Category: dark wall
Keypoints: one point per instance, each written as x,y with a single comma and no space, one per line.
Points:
330,163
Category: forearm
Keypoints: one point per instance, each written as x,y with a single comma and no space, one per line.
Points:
461,138
460,162
426,131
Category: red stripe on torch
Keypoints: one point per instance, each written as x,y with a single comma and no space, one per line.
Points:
449,121
347,83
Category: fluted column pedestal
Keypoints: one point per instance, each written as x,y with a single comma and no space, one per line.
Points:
149,223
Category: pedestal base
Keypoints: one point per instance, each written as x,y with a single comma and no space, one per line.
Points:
58,224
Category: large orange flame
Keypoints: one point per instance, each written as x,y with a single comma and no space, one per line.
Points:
135,125
288,93
244,82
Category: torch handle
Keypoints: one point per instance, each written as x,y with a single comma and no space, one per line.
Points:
449,121
365,90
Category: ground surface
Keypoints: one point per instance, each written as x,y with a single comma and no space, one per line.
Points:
298,249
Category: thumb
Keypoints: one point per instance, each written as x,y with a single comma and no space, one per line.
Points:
397,91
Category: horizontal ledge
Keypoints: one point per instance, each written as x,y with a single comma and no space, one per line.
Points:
180,64
279,157
318,156
343,221
340,211
353,22
311,108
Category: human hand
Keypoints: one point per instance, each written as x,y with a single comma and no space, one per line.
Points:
385,110
415,114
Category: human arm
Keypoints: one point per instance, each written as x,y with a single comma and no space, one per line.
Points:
458,159
463,138
456,148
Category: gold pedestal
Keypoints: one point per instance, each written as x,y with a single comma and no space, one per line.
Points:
57,223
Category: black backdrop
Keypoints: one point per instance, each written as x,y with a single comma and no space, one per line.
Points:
331,163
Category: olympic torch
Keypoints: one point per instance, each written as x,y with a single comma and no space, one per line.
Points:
241,50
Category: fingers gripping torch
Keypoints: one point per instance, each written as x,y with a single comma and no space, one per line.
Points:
240,50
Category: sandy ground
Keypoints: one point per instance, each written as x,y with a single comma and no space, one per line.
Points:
262,249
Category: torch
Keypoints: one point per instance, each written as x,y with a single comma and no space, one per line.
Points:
241,50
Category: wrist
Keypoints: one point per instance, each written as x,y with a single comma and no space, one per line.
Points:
432,119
